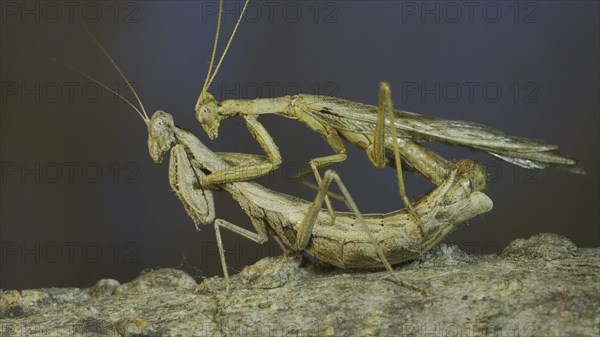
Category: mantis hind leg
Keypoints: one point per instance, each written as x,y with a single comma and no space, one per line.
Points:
377,151
310,220
429,164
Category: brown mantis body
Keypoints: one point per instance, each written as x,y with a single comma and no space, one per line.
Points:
385,134
346,240
367,127
351,240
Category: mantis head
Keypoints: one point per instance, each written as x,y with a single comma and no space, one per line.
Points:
161,135
207,113
207,107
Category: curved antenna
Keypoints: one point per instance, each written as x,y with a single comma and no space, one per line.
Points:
214,73
237,24
89,77
214,50
99,45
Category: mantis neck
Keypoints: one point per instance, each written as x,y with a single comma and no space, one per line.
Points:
259,106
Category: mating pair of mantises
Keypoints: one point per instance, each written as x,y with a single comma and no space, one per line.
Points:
342,239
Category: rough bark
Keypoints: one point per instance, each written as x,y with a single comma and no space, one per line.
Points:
543,286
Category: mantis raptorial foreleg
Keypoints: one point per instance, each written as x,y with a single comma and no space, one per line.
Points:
254,168
198,204
306,228
242,159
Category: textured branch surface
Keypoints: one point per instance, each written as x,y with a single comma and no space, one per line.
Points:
543,286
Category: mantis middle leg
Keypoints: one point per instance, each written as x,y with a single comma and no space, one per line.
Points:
260,238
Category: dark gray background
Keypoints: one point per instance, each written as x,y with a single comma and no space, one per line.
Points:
61,232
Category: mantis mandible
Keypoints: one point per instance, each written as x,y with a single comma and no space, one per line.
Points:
385,134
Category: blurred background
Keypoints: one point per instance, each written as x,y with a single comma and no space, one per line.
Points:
81,199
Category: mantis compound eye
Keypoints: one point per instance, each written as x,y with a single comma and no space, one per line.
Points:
203,115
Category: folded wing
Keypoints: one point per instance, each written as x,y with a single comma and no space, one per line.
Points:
361,118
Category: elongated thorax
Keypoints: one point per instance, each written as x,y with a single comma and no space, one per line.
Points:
258,106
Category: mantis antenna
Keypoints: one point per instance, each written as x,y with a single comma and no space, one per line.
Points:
214,50
141,113
210,76
112,61
89,77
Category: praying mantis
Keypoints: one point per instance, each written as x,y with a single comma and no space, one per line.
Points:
346,240
385,134
352,240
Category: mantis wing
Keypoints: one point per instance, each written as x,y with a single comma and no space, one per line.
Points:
361,118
